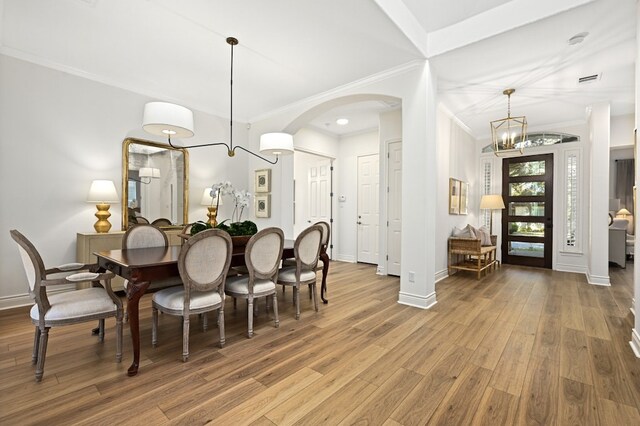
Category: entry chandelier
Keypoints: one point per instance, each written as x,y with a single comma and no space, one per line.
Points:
509,134
167,119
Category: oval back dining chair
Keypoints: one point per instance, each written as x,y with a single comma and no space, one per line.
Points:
203,264
95,303
306,250
262,257
163,221
145,236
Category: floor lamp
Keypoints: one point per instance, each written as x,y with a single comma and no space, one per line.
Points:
491,202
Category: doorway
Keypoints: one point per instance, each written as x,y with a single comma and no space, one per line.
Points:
312,199
527,225
368,208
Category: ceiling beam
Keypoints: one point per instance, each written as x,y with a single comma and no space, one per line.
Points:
492,22
406,22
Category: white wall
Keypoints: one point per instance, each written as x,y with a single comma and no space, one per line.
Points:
458,159
59,132
349,149
622,130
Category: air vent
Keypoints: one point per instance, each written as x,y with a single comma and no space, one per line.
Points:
589,78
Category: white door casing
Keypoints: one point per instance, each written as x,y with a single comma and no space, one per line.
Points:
368,208
394,207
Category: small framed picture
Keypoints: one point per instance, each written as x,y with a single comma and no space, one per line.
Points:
263,205
263,181
454,196
464,197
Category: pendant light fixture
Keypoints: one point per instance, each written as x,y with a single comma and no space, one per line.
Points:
509,134
167,119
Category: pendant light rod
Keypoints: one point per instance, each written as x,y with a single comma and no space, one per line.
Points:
231,150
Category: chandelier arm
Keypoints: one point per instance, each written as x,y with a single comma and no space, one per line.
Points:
256,155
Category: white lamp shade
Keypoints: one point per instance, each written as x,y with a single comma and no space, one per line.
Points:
208,200
145,172
623,212
276,144
166,119
103,191
492,201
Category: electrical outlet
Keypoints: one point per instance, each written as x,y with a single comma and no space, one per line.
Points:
412,277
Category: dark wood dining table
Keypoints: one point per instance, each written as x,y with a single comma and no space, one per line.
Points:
144,265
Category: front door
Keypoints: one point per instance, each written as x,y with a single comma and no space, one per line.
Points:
527,222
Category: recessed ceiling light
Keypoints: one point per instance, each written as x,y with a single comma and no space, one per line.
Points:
577,39
342,121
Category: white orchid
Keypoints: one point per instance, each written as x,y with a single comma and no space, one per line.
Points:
241,199
218,190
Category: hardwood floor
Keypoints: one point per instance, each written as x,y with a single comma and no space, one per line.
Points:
521,346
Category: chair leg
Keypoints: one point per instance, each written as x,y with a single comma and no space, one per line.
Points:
154,326
119,338
185,338
296,296
275,309
310,294
250,317
101,329
36,345
221,325
205,321
314,296
42,353
235,303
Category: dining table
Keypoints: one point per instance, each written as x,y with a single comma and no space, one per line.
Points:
141,266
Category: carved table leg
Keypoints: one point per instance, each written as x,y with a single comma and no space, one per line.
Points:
325,271
134,293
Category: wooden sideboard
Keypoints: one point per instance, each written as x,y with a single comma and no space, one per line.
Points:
89,242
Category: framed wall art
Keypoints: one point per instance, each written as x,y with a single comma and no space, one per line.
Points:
464,197
454,196
263,205
263,181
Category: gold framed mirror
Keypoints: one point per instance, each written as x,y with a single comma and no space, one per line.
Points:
155,184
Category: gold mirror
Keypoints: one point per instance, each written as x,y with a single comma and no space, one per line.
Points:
155,184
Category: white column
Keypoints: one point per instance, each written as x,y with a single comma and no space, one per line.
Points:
419,177
599,131
635,333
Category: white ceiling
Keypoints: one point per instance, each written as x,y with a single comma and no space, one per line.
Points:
292,49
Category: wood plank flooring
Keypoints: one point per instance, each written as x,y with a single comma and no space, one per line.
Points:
521,346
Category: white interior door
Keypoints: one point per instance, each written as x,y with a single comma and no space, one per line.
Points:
368,208
394,207
319,178
312,190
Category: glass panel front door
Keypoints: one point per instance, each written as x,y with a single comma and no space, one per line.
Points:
527,222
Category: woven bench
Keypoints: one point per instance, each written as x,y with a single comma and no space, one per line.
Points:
468,254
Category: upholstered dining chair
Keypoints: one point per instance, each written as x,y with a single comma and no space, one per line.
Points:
144,236
95,303
324,244
162,222
203,264
262,257
306,250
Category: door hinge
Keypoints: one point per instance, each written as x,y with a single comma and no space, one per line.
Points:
330,246
331,194
387,189
331,220
331,168
387,257
387,224
388,155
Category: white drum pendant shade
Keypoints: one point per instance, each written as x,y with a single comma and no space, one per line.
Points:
163,118
276,144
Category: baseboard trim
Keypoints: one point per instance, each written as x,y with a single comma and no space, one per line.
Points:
635,342
564,267
417,301
441,275
346,258
18,300
598,279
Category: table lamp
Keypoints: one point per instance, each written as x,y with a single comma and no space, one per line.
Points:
491,202
623,213
102,192
212,204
